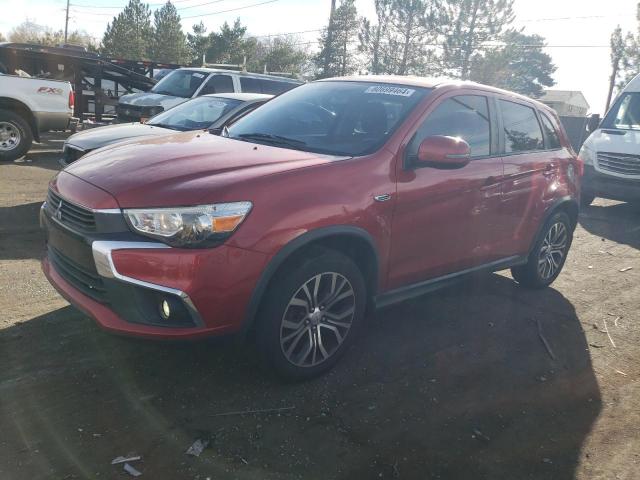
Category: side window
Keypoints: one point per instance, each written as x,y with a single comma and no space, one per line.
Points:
274,87
252,85
464,116
521,128
553,139
218,84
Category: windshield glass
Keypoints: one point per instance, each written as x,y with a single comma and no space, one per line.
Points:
334,117
195,114
625,114
180,83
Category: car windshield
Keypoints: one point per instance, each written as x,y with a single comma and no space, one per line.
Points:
195,114
180,83
625,114
333,117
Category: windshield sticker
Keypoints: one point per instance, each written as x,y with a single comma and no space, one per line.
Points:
198,75
399,91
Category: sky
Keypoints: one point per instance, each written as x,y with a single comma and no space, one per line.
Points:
565,24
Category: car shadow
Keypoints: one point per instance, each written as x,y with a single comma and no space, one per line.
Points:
617,222
45,154
457,385
20,233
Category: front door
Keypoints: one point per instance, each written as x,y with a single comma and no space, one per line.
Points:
443,219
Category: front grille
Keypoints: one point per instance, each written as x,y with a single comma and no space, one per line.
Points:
129,113
621,163
70,154
87,281
75,216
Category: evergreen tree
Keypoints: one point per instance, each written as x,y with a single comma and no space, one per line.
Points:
169,44
197,43
337,57
279,54
130,34
229,45
518,66
373,38
468,24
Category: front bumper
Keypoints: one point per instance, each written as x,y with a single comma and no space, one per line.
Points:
609,186
120,280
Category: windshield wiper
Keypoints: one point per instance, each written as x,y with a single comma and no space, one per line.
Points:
164,125
273,139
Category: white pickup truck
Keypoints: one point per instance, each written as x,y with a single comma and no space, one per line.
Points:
28,107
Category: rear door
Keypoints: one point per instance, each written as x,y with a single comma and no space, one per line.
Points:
445,219
217,84
529,170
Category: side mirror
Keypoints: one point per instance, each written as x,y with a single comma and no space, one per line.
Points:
444,152
216,131
593,123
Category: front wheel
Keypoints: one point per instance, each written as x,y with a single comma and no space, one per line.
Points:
15,136
548,255
311,314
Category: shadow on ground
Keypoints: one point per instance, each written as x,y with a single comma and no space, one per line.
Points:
20,233
454,385
619,222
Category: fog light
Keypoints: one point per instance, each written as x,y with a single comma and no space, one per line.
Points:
165,310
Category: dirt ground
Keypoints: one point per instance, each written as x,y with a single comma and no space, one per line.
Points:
453,385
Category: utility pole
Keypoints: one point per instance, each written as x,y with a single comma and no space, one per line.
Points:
329,36
66,23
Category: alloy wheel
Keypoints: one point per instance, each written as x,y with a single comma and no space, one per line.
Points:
9,136
317,319
552,250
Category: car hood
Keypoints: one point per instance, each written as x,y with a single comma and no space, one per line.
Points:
187,168
150,99
619,141
103,136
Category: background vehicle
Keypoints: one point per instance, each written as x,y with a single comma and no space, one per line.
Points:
211,112
184,83
28,107
611,154
335,196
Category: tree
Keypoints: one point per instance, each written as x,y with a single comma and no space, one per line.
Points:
620,58
336,56
469,24
520,65
229,45
169,44
279,54
31,32
129,35
2,39
373,37
197,43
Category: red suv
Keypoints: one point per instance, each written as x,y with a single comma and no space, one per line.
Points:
337,196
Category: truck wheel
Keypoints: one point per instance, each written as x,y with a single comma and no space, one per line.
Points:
311,314
15,136
548,255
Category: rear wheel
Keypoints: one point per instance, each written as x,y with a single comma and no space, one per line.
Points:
15,136
548,255
311,314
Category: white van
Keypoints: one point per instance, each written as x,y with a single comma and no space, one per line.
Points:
185,83
611,154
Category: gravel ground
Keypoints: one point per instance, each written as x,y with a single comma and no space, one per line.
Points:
452,385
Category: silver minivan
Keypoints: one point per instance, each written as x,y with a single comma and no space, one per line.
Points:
185,83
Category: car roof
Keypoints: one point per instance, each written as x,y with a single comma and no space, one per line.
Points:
435,82
248,74
245,96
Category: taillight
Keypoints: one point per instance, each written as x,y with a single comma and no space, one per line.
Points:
72,99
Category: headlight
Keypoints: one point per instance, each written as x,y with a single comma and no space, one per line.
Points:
199,226
587,155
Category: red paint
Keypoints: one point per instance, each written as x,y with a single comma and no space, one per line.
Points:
437,221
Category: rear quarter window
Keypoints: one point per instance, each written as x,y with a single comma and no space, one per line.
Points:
550,131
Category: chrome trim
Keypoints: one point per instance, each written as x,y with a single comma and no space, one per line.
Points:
456,156
382,198
108,211
107,269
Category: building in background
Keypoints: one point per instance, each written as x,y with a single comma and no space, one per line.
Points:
568,103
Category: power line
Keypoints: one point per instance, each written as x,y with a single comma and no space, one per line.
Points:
230,10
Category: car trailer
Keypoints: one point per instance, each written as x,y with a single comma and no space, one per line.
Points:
97,80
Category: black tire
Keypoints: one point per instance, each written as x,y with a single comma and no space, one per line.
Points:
21,128
288,286
586,199
535,274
